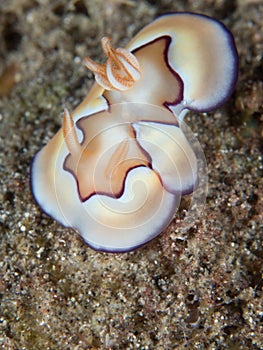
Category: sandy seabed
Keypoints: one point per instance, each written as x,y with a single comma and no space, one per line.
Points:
199,291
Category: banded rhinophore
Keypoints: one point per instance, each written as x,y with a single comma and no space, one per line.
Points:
119,165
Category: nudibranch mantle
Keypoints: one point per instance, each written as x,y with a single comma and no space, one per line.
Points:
119,165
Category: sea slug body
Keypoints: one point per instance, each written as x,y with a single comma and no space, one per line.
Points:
119,165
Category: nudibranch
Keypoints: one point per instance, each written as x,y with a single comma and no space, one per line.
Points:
119,165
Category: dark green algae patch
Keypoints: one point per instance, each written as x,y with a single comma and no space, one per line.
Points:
197,290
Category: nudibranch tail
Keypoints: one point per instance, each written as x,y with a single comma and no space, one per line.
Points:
120,71
119,165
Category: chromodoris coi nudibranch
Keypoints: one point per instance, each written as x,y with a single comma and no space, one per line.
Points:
117,168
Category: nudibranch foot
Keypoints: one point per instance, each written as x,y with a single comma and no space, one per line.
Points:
118,167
